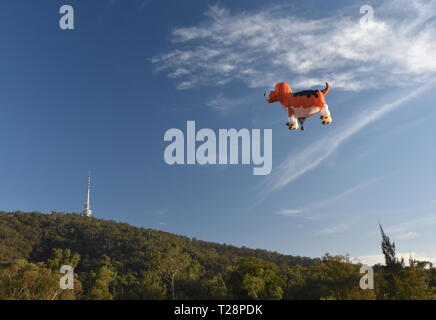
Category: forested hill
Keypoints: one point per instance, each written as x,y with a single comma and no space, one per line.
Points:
114,260
33,235
118,261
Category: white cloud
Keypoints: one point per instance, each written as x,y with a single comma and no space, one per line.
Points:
314,207
379,258
420,222
407,230
343,194
263,47
408,235
340,228
290,212
226,105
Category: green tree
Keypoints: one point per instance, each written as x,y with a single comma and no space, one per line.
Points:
215,287
414,284
169,263
255,278
392,272
99,281
147,286
299,284
431,281
339,279
62,257
400,282
21,280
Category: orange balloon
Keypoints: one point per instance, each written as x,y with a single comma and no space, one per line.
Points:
300,105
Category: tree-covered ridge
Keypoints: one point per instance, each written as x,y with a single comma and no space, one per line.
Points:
33,235
118,261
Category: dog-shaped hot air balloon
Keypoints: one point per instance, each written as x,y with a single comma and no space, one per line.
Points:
300,105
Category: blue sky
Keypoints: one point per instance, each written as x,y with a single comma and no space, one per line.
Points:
103,95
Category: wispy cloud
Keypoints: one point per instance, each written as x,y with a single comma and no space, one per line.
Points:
408,235
308,210
226,105
339,228
290,212
408,230
296,165
339,196
262,47
424,221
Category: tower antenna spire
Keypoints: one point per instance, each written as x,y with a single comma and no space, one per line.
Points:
88,212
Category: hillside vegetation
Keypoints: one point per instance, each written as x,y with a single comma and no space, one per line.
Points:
118,261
